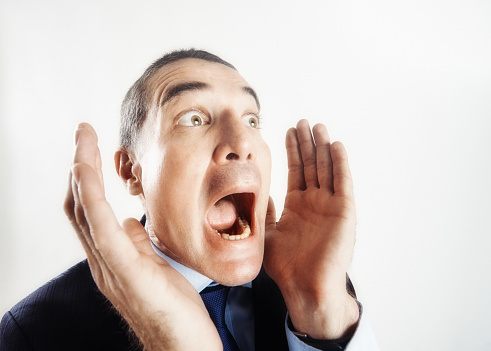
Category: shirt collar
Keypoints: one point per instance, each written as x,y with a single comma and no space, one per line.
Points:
198,280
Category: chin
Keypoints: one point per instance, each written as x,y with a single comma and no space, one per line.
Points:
237,273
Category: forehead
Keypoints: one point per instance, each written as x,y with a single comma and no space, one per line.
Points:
180,72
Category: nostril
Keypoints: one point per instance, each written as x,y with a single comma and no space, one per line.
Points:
232,156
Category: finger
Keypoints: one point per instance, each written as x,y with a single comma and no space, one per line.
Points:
86,149
324,162
98,165
307,148
101,269
98,159
342,181
110,241
84,135
85,145
296,180
102,265
69,204
79,221
74,212
87,156
270,215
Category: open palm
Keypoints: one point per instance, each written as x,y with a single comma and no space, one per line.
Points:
309,249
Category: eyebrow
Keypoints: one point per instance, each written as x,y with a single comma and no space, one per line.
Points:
181,88
254,95
190,86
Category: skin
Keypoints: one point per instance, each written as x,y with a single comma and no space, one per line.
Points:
309,249
180,171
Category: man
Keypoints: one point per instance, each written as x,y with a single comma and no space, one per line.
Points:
192,152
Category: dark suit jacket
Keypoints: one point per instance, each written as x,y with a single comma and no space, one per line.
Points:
70,313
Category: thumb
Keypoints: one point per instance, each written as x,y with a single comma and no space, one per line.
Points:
138,235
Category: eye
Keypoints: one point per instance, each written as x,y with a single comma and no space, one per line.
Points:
192,119
252,120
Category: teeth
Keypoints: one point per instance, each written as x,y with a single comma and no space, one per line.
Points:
246,231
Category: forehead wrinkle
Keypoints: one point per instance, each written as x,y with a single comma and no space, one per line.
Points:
163,79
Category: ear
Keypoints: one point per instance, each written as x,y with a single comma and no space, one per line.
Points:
129,171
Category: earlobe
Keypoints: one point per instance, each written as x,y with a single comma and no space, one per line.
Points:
128,170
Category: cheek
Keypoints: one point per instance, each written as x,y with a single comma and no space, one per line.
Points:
152,170
177,185
264,164
185,167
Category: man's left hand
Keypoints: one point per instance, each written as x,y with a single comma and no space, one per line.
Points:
309,249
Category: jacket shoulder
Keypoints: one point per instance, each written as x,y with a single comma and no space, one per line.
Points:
67,313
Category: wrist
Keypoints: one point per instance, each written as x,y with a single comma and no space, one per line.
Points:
325,320
325,345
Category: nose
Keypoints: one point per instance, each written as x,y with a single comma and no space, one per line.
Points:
234,141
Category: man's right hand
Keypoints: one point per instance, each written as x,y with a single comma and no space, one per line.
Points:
160,305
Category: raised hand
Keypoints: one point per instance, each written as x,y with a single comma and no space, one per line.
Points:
160,305
309,249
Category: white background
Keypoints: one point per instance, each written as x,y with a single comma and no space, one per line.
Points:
406,85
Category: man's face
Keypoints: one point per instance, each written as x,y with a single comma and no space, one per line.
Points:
205,170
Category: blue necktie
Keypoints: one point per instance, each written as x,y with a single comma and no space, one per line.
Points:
215,300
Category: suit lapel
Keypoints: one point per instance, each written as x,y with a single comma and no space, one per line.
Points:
269,314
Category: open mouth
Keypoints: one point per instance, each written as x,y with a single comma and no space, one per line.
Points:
232,216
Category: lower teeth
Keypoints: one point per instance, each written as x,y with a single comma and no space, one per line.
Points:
246,231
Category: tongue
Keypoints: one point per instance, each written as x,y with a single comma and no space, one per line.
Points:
223,214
